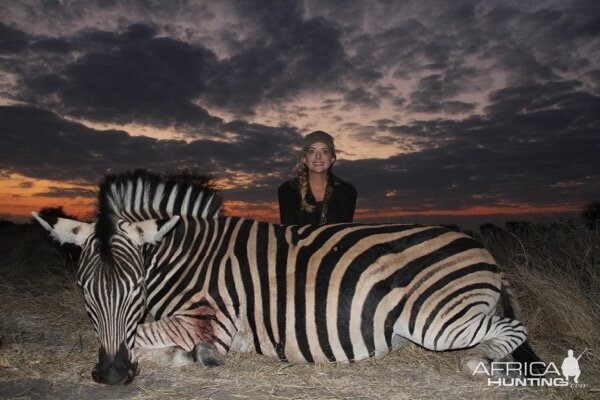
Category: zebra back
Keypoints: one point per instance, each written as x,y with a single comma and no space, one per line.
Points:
141,195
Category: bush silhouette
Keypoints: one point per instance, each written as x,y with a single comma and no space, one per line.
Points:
591,215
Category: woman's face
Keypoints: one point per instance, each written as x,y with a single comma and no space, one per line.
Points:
318,158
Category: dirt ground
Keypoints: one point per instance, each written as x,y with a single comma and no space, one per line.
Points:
48,349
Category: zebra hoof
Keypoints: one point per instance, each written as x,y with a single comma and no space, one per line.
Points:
207,355
477,367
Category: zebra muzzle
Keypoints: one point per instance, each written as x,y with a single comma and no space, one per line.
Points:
117,370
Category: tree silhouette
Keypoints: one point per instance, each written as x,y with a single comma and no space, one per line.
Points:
51,214
591,215
490,228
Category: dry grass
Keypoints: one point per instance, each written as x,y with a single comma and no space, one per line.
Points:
47,346
556,273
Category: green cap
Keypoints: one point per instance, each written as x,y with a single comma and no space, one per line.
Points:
316,137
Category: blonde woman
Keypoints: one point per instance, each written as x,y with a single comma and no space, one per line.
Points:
316,196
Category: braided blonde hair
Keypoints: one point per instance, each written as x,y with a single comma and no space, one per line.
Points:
302,175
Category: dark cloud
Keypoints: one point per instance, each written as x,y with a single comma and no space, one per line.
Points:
384,122
433,91
137,75
450,83
522,63
60,192
288,55
26,185
130,77
244,80
360,97
521,99
542,148
483,101
12,40
52,45
78,153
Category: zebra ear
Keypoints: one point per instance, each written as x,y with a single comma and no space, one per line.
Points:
67,230
150,231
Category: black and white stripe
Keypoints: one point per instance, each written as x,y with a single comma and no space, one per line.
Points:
332,293
303,294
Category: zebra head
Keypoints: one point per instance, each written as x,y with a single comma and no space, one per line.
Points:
113,285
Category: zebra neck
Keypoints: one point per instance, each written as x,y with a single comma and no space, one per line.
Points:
181,267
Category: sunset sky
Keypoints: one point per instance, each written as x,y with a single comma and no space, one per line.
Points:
438,108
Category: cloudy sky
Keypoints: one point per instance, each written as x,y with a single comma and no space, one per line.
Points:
437,107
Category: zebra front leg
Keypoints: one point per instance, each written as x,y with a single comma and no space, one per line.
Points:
172,356
175,356
180,339
207,355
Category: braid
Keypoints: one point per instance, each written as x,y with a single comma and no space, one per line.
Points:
302,174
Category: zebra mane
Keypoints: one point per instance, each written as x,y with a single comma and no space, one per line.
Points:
141,195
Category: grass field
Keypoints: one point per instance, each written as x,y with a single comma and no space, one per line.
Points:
48,347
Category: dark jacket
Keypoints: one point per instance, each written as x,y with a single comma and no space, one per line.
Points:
338,204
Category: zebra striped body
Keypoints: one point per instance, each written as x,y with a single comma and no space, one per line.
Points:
328,293
303,294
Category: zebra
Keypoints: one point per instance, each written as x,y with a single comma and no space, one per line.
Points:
162,270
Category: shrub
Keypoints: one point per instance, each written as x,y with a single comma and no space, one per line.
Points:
591,215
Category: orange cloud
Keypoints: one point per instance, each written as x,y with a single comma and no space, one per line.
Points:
262,211
20,195
513,209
